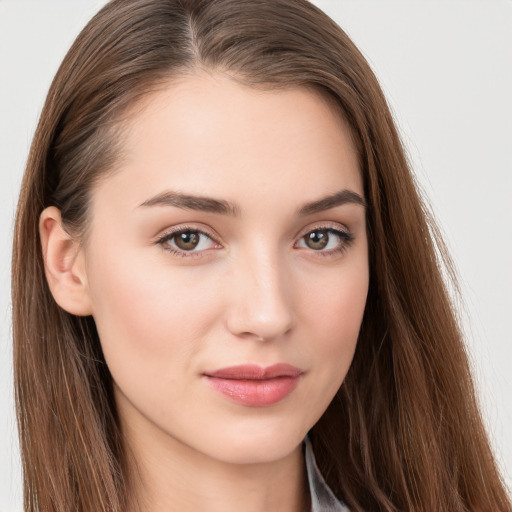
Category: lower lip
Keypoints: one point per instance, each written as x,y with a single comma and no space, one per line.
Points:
255,393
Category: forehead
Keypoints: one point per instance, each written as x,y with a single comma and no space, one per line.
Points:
207,134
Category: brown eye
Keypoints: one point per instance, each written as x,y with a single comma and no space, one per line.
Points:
317,239
326,240
187,240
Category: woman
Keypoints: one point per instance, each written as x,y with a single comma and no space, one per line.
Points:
233,255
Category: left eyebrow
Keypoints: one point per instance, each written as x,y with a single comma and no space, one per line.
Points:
190,202
332,201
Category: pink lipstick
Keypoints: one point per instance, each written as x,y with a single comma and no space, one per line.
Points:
254,386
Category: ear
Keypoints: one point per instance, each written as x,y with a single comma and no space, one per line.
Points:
64,264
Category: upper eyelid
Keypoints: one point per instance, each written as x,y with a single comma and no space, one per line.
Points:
335,226
169,233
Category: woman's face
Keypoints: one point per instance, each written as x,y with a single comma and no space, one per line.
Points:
227,267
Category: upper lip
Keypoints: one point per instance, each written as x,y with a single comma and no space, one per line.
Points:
255,372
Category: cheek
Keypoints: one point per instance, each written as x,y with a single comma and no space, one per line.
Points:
335,303
144,316
334,309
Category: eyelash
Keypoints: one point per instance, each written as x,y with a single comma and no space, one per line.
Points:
346,240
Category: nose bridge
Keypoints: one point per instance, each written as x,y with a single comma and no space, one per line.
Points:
261,304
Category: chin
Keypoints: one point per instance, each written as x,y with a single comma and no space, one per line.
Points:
245,445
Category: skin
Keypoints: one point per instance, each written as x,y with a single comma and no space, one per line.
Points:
252,291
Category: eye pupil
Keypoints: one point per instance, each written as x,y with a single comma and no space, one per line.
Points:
187,240
317,239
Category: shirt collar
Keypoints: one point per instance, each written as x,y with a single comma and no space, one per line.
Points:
322,498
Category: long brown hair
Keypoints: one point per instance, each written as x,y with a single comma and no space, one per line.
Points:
404,431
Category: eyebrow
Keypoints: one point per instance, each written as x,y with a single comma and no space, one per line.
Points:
337,199
222,207
188,202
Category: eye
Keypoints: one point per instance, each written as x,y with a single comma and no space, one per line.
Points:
187,240
326,240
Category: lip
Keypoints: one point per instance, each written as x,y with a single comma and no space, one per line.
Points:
253,385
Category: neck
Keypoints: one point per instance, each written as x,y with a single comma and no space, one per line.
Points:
172,476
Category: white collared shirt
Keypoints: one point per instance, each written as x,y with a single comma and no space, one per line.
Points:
322,498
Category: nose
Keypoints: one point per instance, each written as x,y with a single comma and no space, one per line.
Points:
261,294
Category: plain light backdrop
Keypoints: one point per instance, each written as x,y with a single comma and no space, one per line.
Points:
446,68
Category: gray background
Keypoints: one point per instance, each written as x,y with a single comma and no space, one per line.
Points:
446,67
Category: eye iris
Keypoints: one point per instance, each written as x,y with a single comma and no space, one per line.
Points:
317,239
187,240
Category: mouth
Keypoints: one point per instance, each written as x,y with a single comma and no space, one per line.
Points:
255,386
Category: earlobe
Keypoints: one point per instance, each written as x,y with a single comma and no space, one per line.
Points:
64,264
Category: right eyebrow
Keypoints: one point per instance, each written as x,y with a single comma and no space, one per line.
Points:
188,202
